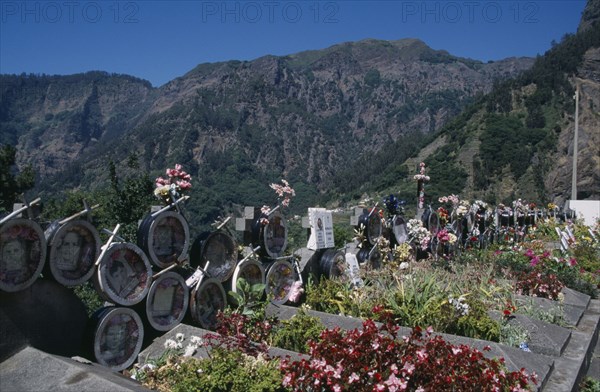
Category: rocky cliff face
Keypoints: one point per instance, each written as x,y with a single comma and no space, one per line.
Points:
588,168
303,115
55,120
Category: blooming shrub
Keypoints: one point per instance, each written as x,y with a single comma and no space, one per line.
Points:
538,284
237,331
377,359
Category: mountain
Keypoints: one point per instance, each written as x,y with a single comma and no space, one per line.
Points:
238,125
517,141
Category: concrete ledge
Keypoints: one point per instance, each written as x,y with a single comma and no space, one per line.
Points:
544,338
157,348
33,370
572,366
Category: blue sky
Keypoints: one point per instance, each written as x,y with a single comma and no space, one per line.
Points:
159,40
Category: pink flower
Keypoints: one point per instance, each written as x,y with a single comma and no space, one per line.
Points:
572,262
534,261
395,384
296,291
287,380
184,184
408,368
353,377
422,355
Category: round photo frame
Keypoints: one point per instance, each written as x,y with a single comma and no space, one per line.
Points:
206,301
73,249
164,237
167,301
118,337
124,274
22,254
219,250
333,264
280,276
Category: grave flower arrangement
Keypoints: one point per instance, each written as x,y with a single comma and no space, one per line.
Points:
444,236
418,234
421,176
520,207
463,208
452,199
174,186
443,215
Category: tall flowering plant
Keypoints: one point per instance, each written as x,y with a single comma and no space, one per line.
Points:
284,193
172,187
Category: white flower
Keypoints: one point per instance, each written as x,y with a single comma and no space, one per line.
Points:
170,344
189,350
179,337
404,265
196,340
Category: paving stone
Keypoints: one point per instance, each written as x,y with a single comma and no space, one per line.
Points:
575,298
572,313
574,363
33,370
544,338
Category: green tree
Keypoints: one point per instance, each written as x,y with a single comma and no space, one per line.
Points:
130,196
13,184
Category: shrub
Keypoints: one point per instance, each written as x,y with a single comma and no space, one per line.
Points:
295,333
376,358
225,370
